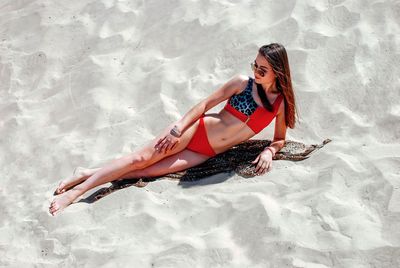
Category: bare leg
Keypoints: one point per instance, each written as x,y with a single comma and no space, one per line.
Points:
108,173
145,157
174,163
80,174
180,161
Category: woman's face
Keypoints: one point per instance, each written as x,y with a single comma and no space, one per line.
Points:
262,65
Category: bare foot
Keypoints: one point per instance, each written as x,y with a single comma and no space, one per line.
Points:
62,201
80,174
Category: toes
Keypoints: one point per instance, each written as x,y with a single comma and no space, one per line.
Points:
53,207
52,210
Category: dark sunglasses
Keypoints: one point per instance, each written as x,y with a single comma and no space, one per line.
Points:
259,71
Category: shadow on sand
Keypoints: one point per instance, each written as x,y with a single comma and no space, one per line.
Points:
235,160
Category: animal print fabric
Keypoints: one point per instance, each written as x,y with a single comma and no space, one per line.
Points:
244,101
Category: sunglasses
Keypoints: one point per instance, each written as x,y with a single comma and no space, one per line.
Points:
255,68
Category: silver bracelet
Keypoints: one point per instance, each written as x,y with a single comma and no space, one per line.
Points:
175,132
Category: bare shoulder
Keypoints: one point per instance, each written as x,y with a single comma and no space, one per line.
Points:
224,92
240,81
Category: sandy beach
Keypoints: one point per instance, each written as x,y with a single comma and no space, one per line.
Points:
85,82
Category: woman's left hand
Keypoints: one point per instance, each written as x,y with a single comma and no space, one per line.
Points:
264,162
167,143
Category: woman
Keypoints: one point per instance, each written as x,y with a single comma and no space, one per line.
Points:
252,105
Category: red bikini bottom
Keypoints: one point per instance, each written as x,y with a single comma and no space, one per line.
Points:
199,142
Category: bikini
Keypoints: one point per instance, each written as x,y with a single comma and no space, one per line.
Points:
244,107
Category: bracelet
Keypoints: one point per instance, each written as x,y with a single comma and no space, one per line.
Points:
269,148
175,132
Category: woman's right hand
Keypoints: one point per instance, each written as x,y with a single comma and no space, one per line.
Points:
168,142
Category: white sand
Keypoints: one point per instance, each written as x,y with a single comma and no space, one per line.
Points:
84,82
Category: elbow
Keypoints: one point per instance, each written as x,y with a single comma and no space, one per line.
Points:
280,140
203,107
200,107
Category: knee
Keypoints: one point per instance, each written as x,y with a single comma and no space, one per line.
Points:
138,161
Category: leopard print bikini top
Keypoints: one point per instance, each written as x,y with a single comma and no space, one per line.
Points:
244,107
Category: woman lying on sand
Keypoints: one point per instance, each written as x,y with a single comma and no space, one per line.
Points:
252,104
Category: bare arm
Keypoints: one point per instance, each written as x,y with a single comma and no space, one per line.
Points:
264,159
223,93
280,130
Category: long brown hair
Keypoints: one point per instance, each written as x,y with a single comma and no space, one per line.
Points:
277,57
